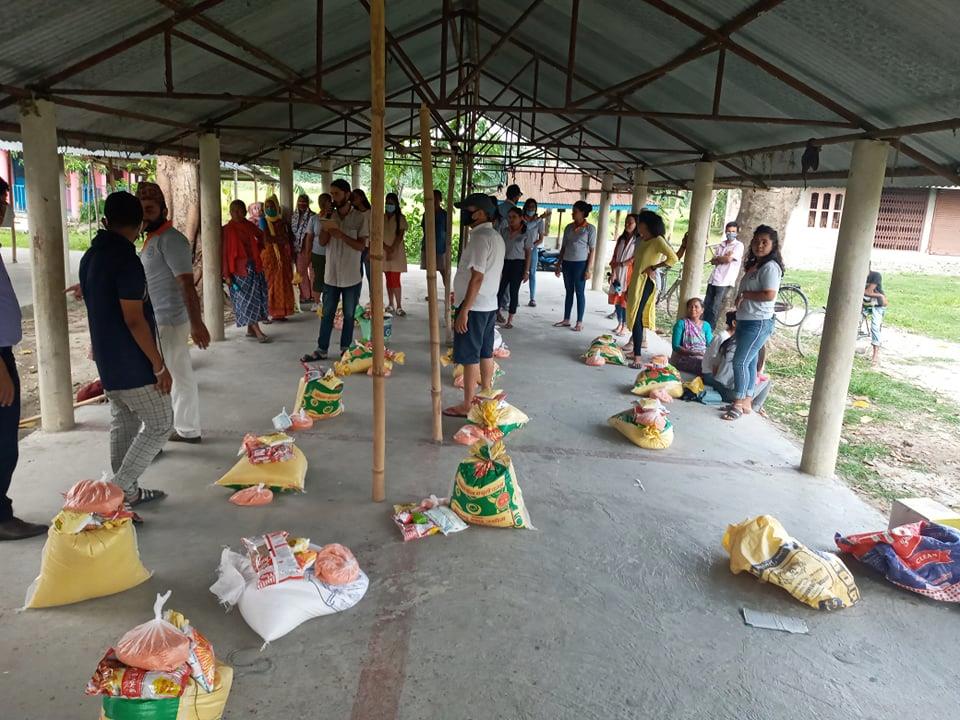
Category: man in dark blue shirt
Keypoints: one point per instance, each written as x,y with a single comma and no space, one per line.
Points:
123,335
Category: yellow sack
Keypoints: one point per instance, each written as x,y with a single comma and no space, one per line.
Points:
763,548
658,377
695,386
195,704
90,564
287,475
646,436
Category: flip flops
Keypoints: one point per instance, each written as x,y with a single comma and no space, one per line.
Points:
453,412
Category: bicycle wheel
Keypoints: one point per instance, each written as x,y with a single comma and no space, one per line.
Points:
672,298
810,333
791,306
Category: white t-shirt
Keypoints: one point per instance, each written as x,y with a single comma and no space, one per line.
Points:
343,262
713,351
483,253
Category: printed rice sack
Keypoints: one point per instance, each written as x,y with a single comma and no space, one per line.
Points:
287,475
762,547
491,418
358,358
195,704
119,708
645,425
594,358
83,565
607,347
485,490
658,374
922,557
319,394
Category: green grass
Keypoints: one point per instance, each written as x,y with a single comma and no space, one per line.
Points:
79,240
924,304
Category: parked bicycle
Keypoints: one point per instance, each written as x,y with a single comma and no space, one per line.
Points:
810,331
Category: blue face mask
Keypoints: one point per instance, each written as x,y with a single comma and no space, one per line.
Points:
531,213
731,235
270,212
390,208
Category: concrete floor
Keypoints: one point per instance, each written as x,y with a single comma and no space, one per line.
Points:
621,604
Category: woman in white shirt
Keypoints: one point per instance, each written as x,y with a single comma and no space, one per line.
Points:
394,229
516,261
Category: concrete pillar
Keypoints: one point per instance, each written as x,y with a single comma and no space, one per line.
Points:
838,343
928,220
585,187
326,173
62,179
355,174
700,205
38,131
286,179
210,234
603,230
639,189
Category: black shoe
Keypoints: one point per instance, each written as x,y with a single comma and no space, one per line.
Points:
17,529
177,437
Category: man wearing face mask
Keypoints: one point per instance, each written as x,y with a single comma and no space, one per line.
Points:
726,261
168,264
475,299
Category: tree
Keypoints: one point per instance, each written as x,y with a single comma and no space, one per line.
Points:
767,207
179,179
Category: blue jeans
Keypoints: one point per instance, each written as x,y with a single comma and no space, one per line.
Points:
876,324
575,283
331,298
534,261
751,336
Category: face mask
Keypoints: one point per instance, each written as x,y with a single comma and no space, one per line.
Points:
731,236
154,225
466,217
271,213
390,208
531,213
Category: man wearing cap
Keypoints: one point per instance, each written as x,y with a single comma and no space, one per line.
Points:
168,264
475,299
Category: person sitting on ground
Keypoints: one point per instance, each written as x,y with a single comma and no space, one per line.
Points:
277,258
475,299
691,336
395,250
621,270
243,271
719,375
642,291
518,245
124,338
576,261
874,306
713,349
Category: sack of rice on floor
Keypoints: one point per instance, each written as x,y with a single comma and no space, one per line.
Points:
645,425
485,490
358,358
491,418
658,374
607,347
270,460
90,552
320,394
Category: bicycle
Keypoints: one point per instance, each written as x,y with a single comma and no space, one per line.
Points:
791,306
810,331
668,292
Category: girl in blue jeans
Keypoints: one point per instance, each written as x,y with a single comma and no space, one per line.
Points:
576,259
755,306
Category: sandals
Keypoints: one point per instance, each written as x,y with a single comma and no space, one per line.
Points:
401,312
144,496
315,356
637,364
578,327
732,414
508,326
454,412
562,323
263,340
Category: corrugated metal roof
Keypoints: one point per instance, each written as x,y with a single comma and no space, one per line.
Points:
891,63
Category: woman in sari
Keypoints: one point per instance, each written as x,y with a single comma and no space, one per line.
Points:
691,336
243,271
277,258
621,270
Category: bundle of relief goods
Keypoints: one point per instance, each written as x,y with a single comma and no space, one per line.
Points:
358,358
500,349
922,557
762,547
607,348
491,418
645,424
281,582
447,359
319,395
270,460
485,490
365,324
91,548
430,516
658,374
163,668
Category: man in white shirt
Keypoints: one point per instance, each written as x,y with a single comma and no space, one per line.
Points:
475,298
726,261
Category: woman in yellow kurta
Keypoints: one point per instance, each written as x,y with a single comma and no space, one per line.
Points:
642,292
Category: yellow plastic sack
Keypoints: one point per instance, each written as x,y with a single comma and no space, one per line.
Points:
358,358
85,565
695,386
287,475
645,436
658,377
195,704
763,548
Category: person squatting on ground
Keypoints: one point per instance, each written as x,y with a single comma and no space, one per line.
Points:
518,245
755,305
475,299
168,263
575,262
642,292
243,271
727,259
621,270
395,252
123,335
718,368
277,257
691,336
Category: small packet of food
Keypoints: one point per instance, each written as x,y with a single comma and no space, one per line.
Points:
282,421
413,522
272,559
445,519
201,660
115,679
252,496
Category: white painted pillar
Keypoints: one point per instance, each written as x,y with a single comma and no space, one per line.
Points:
928,221
585,187
286,180
62,178
639,189
38,131
326,173
355,175
838,344
603,230
700,205
210,234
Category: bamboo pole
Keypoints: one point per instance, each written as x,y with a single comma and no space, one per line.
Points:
447,259
377,132
430,248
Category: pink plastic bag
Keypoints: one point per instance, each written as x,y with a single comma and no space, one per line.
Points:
94,496
252,496
154,645
596,360
661,395
336,565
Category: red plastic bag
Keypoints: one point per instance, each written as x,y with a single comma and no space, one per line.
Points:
154,645
89,391
336,565
252,496
94,496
